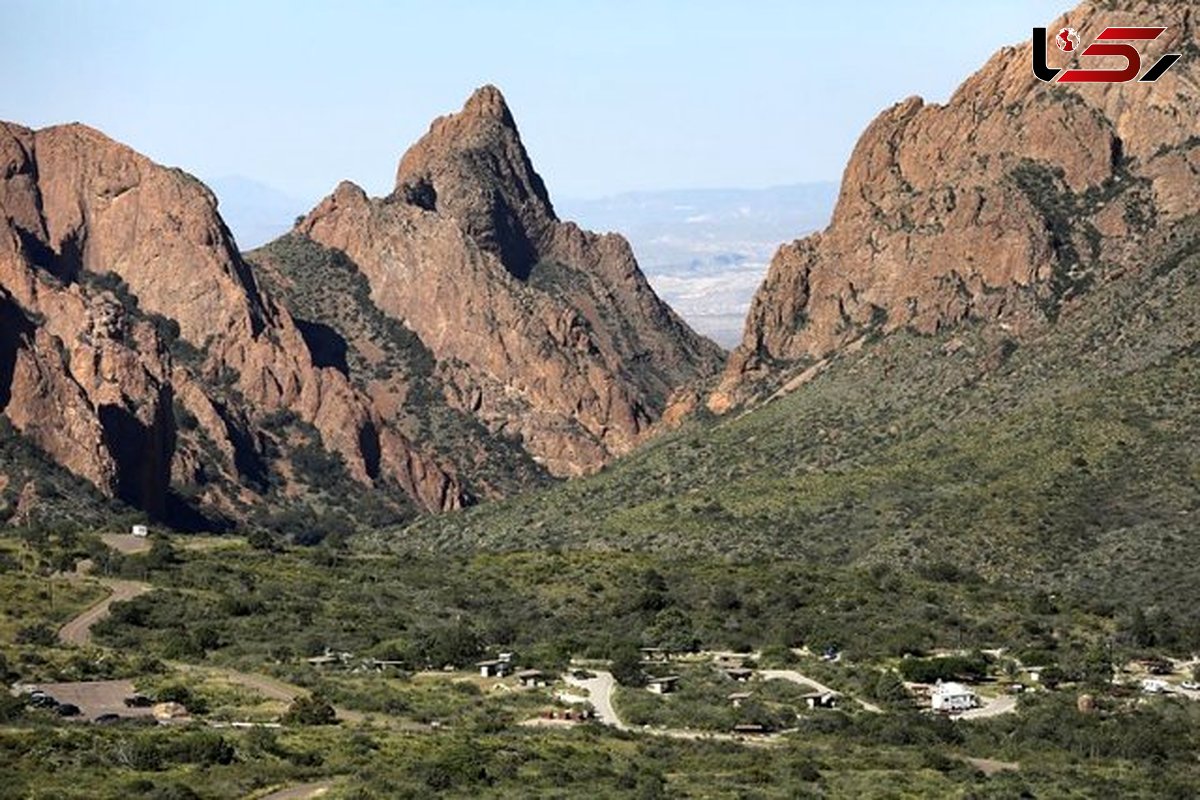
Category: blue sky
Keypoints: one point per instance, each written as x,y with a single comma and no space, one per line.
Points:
610,96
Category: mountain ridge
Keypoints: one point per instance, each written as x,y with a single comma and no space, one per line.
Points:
196,394
1005,203
593,355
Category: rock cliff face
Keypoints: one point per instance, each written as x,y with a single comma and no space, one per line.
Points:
452,341
1006,204
540,330
138,351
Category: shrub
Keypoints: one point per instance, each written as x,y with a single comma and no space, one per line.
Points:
627,666
311,710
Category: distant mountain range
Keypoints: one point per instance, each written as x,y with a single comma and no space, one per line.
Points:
255,212
706,251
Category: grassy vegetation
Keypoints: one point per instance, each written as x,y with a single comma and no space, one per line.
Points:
965,491
702,702
1142,754
36,605
245,605
1066,464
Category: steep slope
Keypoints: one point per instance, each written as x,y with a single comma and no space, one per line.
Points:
139,352
540,330
1008,204
388,363
985,369
451,342
1068,462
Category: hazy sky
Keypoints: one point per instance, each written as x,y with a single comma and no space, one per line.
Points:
610,96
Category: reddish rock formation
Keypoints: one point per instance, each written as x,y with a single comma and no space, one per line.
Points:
95,382
540,329
140,351
1005,203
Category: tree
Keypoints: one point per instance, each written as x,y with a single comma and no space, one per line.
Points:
261,539
456,644
627,665
162,554
311,710
672,630
11,707
1096,668
891,690
1138,629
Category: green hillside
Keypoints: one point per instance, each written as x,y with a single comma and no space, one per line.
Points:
1067,460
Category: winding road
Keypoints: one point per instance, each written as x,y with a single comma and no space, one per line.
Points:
79,630
1003,704
803,680
600,690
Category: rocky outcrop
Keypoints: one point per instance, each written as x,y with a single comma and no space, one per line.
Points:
445,338
540,330
1005,204
128,311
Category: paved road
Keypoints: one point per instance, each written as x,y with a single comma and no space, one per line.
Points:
600,691
804,680
601,688
304,791
1002,704
79,630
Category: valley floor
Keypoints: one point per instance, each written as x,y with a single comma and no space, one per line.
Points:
253,695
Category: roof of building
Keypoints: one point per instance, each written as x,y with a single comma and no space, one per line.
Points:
664,679
328,658
952,688
530,673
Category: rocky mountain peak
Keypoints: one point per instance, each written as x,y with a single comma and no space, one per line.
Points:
543,332
472,166
1007,204
487,102
143,354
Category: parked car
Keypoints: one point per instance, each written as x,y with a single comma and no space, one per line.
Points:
68,710
107,719
138,701
1191,686
39,699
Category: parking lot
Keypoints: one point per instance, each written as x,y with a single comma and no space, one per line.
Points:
94,698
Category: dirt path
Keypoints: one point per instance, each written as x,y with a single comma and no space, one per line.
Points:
126,543
303,791
990,767
271,688
804,680
79,630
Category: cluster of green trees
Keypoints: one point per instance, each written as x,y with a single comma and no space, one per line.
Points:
946,668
